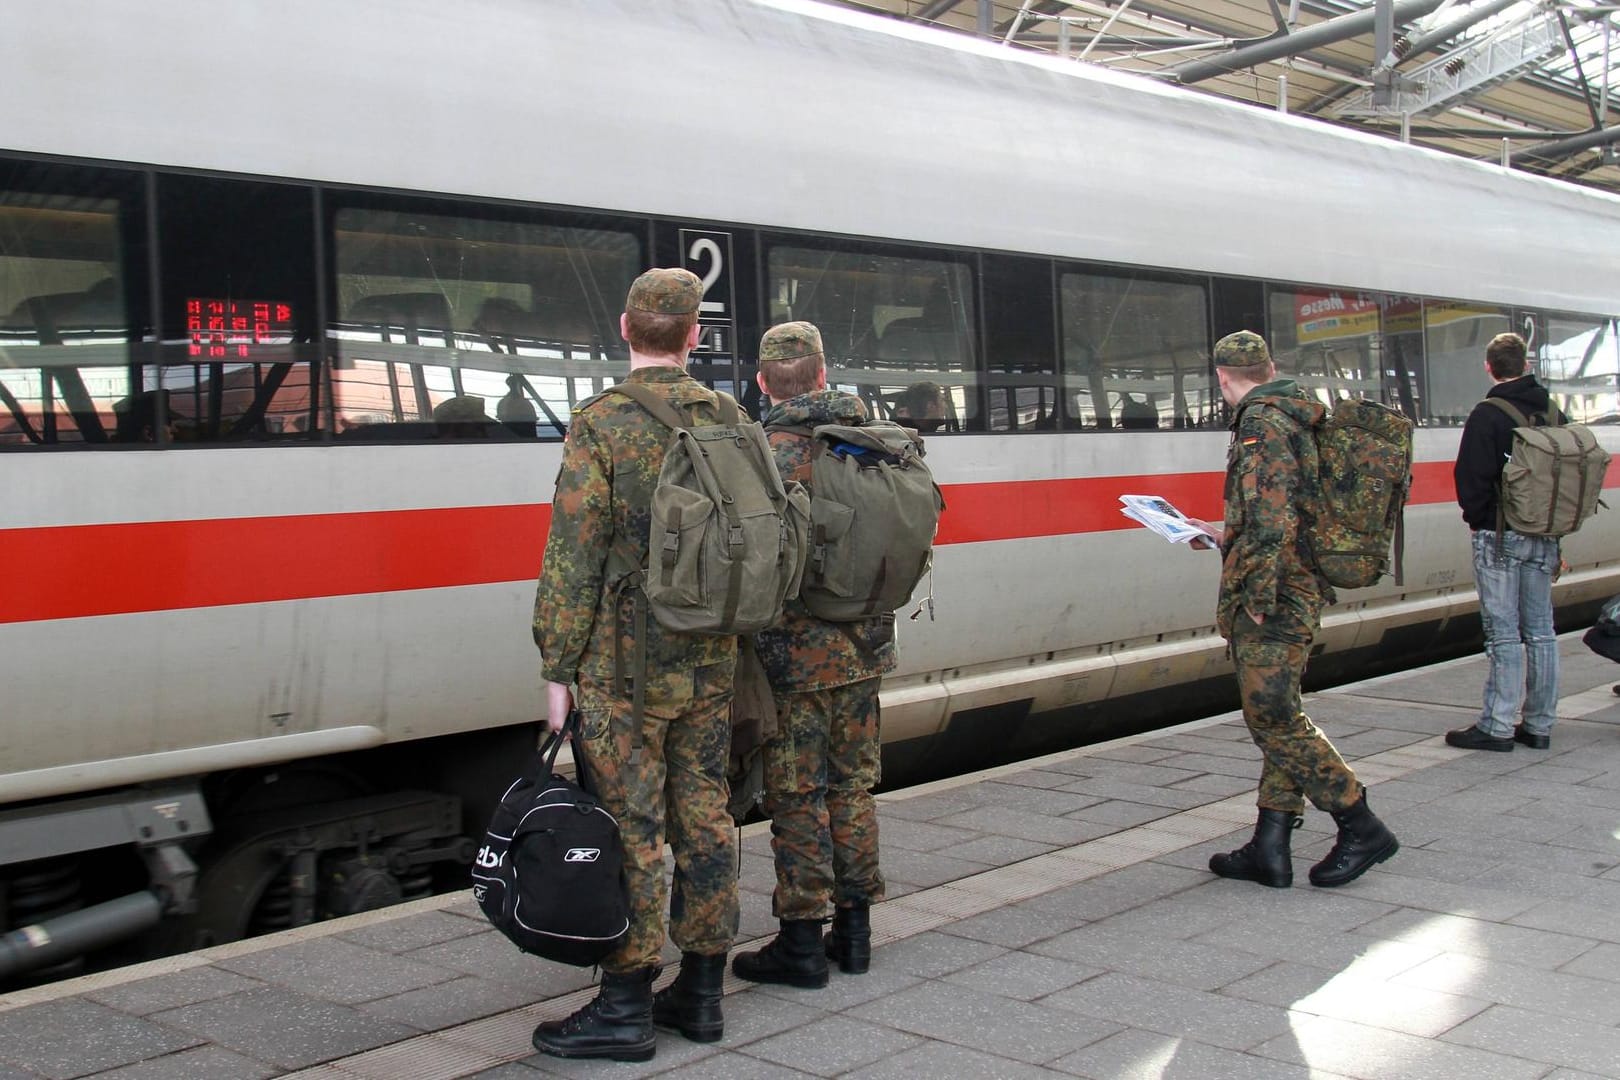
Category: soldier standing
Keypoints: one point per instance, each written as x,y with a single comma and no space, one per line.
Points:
824,761
611,461
1270,607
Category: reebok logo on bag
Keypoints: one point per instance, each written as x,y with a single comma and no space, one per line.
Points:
874,509
1553,477
550,875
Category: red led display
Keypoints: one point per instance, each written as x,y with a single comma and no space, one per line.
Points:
221,329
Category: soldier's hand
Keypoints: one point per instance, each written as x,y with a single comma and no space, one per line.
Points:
559,699
1210,539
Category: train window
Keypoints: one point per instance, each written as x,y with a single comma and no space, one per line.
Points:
238,315
1454,339
461,325
1578,358
1338,343
70,252
898,328
1136,351
1021,383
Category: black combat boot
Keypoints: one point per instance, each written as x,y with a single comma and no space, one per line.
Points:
1265,858
1363,841
850,940
793,958
616,1024
691,1004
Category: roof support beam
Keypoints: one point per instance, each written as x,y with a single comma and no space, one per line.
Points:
1278,46
934,11
1562,148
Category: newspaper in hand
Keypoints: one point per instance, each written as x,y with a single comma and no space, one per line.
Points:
1158,514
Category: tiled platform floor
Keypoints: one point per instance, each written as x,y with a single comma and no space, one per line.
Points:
1050,919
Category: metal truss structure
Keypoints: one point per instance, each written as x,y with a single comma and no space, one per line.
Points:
1523,82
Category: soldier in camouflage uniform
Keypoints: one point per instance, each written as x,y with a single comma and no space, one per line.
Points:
582,623
823,763
1270,608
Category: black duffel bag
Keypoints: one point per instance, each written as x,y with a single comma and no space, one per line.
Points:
1604,636
550,875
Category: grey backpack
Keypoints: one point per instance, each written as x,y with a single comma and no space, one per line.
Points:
1553,476
727,541
874,508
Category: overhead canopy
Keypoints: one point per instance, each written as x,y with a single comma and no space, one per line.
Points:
1456,75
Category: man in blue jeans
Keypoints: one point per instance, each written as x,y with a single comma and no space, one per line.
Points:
1514,573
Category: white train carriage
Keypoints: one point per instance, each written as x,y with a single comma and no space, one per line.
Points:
267,616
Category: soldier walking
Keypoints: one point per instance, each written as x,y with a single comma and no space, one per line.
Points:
1270,607
582,623
824,761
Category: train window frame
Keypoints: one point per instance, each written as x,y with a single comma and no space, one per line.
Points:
65,401
1379,317
953,403
1023,394
223,342
1605,348
551,418
1184,417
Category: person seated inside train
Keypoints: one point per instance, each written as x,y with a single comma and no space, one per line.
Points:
462,417
1138,413
515,411
920,406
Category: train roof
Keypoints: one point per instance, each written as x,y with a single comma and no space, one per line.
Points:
793,115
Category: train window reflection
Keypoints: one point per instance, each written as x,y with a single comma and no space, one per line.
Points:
238,309
1579,361
63,328
1337,344
899,331
1454,339
1136,352
518,317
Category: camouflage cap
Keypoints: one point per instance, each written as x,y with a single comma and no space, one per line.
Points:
467,408
1242,349
789,341
665,291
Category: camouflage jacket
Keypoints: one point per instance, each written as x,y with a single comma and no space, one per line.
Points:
802,652
1271,478
611,460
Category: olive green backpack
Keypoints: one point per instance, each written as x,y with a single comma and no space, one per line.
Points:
874,508
1553,479
727,541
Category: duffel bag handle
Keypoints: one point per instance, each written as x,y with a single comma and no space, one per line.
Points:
573,728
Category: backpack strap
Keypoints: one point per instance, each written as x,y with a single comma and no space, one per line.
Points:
1518,415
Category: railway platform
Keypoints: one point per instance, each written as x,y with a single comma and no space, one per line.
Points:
1053,918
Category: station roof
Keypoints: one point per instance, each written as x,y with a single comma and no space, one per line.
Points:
1529,79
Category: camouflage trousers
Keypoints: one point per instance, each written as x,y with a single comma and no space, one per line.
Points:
1300,763
678,788
820,769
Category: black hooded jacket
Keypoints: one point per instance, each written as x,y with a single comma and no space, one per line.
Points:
1487,439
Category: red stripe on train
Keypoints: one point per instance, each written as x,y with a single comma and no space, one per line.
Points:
78,570
74,571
